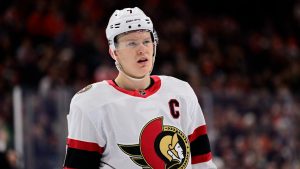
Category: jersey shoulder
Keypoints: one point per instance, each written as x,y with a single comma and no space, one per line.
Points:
176,85
97,93
171,79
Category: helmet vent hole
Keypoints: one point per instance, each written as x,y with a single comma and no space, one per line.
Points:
129,27
139,25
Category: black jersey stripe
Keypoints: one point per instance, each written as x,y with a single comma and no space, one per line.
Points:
200,147
82,159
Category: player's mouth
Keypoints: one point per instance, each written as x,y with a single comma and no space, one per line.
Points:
142,61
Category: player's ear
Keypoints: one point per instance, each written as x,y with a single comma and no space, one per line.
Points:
112,53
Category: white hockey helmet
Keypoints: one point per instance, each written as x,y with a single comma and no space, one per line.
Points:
128,19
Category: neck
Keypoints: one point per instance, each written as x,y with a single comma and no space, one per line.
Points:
130,84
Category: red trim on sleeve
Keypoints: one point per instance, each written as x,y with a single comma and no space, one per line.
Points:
201,158
83,145
148,92
68,168
198,132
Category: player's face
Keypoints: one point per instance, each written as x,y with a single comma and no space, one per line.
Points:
134,52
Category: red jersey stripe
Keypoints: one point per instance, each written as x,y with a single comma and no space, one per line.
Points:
83,145
201,158
198,132
148,92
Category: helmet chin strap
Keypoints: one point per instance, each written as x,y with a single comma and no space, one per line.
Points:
121,70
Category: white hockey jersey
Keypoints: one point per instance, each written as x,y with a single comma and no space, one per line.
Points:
161,127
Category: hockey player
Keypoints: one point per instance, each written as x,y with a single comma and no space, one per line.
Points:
136,120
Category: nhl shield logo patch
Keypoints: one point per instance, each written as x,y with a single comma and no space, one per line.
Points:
161,147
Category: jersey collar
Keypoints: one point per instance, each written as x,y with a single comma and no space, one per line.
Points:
140,93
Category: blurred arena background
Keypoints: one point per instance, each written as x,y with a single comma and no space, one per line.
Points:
241,57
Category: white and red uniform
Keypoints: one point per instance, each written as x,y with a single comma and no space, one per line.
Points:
110,127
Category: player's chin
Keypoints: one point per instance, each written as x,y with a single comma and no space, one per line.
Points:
146,69
143,71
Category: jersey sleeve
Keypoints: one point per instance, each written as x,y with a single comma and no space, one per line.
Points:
201,154
83,149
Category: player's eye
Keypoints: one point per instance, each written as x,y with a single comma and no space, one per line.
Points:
132,44
147,42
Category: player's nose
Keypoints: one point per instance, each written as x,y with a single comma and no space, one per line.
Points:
141,49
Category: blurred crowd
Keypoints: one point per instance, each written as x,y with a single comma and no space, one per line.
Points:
245,54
